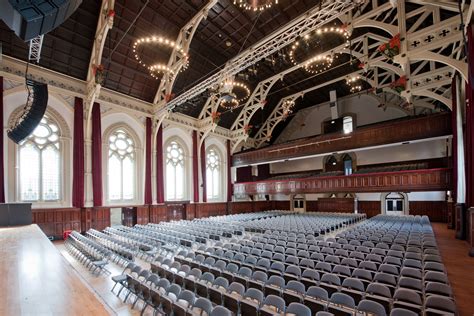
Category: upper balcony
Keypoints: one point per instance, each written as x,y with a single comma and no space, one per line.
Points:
392,132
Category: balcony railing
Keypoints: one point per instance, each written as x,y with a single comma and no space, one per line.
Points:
403,181
398,131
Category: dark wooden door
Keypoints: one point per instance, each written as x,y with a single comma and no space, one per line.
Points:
129,216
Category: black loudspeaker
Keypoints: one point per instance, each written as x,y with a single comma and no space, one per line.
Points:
33,113
30,18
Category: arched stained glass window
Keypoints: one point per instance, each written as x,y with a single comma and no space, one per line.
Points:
121,166
213,174
40,164
175,171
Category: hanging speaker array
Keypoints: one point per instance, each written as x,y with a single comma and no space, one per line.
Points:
33,112
30,18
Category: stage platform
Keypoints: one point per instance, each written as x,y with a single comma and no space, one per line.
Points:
38,280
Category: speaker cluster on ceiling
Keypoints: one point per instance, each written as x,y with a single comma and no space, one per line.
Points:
30,18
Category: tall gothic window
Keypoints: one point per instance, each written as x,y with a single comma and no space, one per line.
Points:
175,164
121,166
40,164
213,174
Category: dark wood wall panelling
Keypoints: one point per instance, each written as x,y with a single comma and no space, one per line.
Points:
158,213
54,222
377,134
435,210
370,208
403,181
340,205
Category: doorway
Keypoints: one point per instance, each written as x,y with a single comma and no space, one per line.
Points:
395,204
115,216
298,203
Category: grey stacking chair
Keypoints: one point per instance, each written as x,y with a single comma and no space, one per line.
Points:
220,311
322,313
353,287
402,312
407,299
219,286
184,301
342,271
292,273
316,298
274,285
232,297
202,285
200,306
251,302
258,280
340,303
439,305
411,273
294,292
410,283
438,289
371,308
271,305
298,309
433,276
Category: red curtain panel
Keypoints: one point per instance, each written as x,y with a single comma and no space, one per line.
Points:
195,168
469,121
454,141
96,155
78,155
148,157
2,175
203,171
160,187
229,173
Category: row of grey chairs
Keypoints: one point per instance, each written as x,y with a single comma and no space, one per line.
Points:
348,298
92,257
123,252
152,291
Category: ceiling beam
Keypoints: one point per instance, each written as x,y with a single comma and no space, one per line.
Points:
176,61
314,18
104,25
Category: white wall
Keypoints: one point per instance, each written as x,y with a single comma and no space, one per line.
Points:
308,122
110,119
413,151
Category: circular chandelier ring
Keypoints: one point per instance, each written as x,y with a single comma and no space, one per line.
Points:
321,62
158,68
242,86
258,6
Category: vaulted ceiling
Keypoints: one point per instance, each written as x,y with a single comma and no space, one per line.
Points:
225,32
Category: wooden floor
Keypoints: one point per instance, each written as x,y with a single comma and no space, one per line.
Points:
460,267
37,280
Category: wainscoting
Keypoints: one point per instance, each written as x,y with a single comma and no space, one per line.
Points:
54,222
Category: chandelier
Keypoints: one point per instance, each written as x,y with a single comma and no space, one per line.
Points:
319,62
237,92
354,83
158,69
255,5
288,107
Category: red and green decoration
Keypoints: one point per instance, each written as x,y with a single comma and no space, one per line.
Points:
99,73
400,85
392,48
248,129
169,97
216,117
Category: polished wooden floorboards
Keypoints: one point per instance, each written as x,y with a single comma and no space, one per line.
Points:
37,280
459,265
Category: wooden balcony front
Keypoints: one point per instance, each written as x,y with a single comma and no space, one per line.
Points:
401,181
392,132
